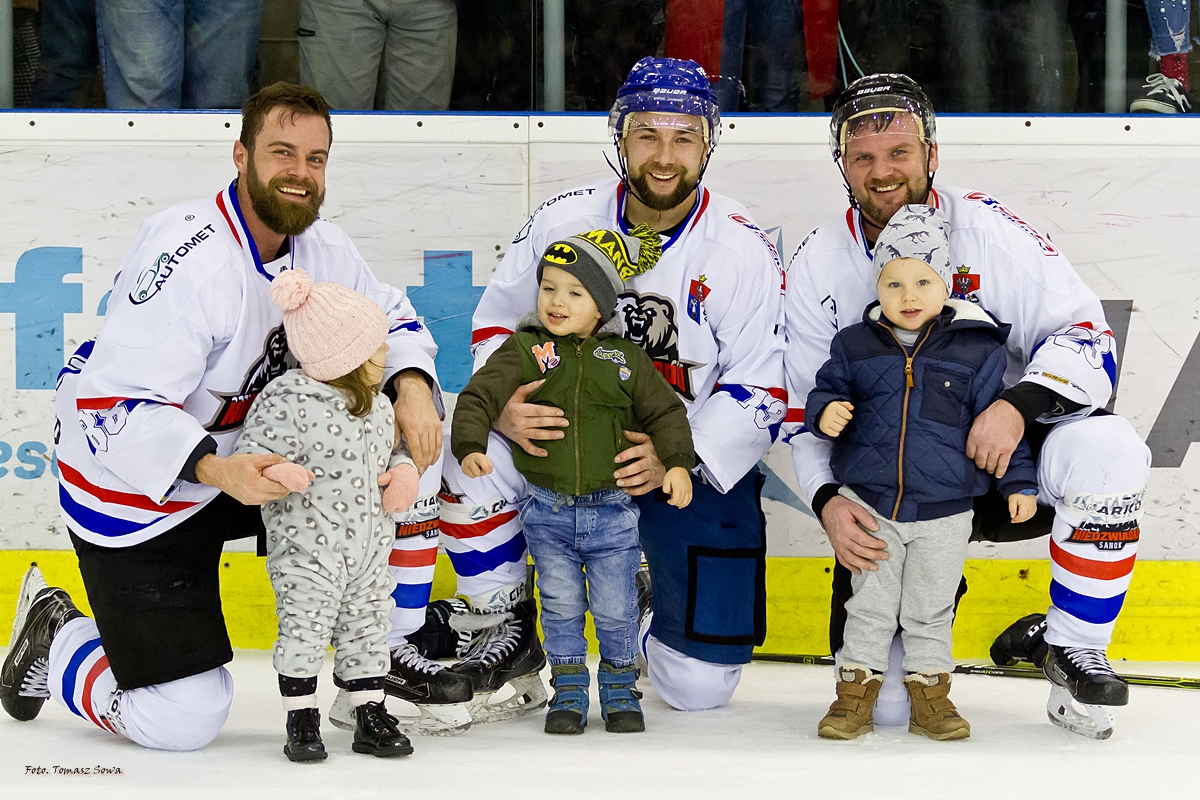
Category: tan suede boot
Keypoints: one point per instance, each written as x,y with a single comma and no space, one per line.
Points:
851,715
933,714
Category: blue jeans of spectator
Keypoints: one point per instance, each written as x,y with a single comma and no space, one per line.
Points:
771,30
67,41
178,53
1170,24
586,553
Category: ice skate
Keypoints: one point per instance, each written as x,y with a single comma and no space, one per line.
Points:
376,734
1083,676
568,710
1024,640
438,637
507,653
304,736
619,699
851,714
933,713
42,610
440,696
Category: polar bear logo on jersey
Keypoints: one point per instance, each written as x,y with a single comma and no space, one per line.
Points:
650,324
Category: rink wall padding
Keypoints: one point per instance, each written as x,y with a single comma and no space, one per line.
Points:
433,200
1160,622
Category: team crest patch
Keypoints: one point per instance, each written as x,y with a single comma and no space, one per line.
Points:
1106,537
546,355
561,253
625,373
615,356
966,284
696,296
152,279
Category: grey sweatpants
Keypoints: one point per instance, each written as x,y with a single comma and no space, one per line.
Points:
329,586
396,55
914,588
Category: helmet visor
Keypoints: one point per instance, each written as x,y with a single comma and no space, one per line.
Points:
664,108
877,114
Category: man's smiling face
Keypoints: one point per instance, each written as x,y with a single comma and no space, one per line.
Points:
887,168
285,170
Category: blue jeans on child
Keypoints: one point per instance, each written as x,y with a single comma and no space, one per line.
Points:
567,535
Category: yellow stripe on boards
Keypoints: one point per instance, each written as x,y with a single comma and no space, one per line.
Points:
1160,621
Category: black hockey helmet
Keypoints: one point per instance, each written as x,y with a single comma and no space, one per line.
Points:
882,95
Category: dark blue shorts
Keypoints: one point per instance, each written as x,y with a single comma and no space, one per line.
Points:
708,570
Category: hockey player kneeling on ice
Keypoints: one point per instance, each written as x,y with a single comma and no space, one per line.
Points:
328,542
147,416
576,519
899,448
1092,465
708,316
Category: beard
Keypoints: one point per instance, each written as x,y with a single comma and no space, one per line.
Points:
663,202
284,217
913,195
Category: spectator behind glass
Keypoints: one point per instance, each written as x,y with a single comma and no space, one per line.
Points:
70,57
25,49
178,53
1166,91
603,37
494,56
395,55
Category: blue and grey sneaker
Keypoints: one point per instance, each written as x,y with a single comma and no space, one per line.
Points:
619,699
569,708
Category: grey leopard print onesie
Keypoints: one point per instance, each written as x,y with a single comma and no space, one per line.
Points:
328,546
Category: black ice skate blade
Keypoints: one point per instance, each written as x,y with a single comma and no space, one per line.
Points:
382,750
625,722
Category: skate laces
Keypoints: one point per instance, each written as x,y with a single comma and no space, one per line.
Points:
408,656
37,680
497,643
1090,662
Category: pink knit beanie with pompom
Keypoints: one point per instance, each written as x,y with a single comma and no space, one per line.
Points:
330,329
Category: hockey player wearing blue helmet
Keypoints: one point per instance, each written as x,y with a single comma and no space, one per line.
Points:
708,315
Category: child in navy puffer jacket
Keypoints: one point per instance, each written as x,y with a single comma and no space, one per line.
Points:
898,396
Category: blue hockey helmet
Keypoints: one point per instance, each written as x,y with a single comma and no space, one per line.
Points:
669,88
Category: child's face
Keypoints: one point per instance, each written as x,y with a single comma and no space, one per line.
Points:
376,363
910,293
564,306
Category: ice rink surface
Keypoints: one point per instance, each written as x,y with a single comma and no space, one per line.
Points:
763,745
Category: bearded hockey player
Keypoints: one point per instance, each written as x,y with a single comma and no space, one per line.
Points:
1092,467
708,315
148,413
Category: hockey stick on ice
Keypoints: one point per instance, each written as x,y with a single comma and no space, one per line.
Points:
992,669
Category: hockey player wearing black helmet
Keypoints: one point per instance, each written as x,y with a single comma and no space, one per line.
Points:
1092,465
883,137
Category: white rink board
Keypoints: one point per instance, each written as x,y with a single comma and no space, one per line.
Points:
1118,203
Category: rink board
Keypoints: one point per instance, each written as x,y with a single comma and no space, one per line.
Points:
1160,621
432,202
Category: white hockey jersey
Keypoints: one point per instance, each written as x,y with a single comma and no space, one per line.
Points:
189,340
709,315
1059,336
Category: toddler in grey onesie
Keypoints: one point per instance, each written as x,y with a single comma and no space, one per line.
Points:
328,542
